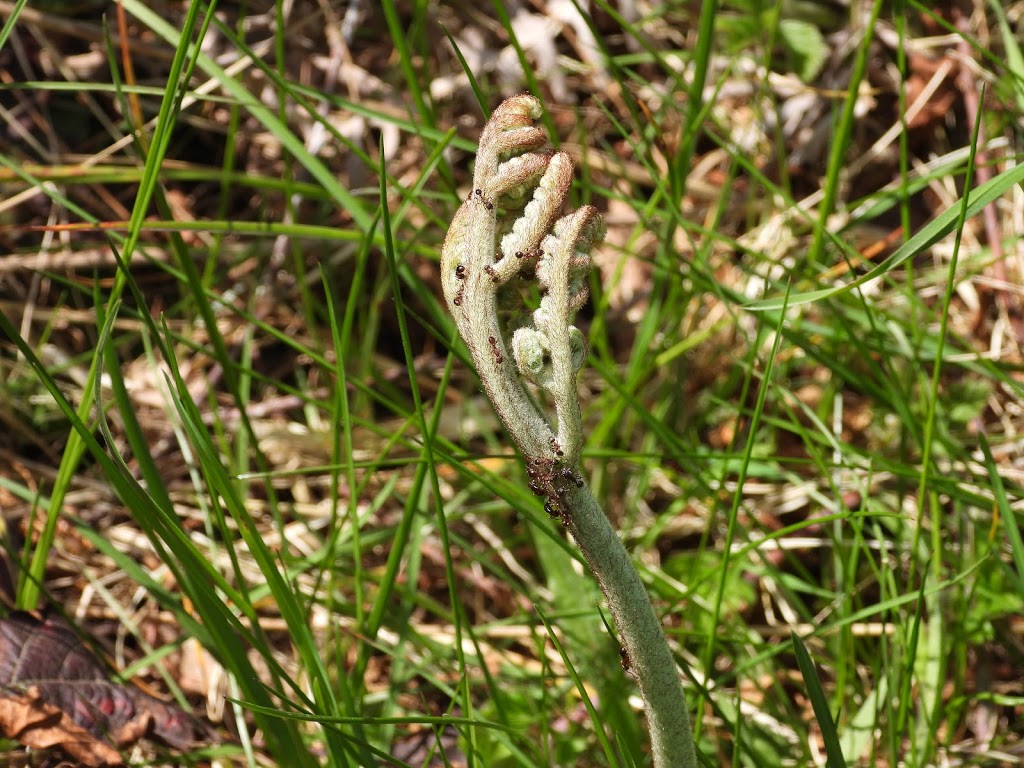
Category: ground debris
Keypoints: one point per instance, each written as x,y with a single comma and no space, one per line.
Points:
55,693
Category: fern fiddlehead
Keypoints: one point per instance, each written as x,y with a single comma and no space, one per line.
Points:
506,232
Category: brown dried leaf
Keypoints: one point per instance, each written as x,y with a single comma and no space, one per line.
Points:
32,649
37,724
54,690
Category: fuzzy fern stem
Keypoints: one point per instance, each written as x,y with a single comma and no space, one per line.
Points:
507,233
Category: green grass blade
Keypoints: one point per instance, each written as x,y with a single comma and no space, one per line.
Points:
840,136
429,463
11,22
833,749
927,236
1006,513
241,93
481,100
595,716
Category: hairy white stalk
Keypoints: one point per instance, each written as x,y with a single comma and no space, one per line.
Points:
506,233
